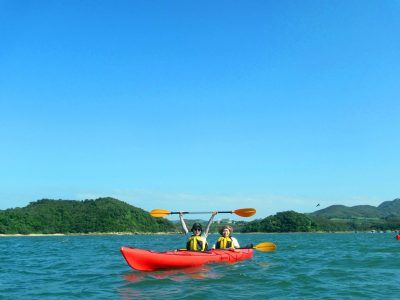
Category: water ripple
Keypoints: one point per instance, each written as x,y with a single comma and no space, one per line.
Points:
307,266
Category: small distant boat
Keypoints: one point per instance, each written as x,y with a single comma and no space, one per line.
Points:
398,237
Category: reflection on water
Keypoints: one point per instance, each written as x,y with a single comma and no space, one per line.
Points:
137,282
175,275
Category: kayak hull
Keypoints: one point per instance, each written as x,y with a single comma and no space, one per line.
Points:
147,260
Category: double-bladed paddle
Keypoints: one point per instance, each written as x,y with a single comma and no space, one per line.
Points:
265,247
243,212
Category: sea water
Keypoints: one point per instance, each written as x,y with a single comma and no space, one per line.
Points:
306,266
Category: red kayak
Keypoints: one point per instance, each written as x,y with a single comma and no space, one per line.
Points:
147,260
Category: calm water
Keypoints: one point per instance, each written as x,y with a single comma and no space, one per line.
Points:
308,266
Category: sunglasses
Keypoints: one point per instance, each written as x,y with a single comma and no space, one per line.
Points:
197,229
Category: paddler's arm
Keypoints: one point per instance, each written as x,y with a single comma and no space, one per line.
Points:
209,223
183,224
235,243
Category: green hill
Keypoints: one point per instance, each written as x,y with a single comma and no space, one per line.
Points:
390,208
88,216
345,212
286,221
333,218
385,209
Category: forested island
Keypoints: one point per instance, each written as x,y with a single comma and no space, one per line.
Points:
109,215
88,216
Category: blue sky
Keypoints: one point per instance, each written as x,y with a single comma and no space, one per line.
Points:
187,105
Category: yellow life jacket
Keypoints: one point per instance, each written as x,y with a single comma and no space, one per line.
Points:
224,243
196,243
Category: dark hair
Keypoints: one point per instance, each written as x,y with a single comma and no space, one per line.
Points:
197,226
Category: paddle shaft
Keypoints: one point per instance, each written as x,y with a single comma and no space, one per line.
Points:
243,212
199,212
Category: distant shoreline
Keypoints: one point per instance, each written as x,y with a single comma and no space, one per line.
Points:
162,233
85,234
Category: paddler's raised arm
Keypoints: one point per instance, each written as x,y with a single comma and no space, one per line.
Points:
209,223
183,223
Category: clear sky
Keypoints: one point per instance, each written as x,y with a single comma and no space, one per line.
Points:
200,105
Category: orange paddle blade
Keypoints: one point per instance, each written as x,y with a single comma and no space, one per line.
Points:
245,212
266,246
159,213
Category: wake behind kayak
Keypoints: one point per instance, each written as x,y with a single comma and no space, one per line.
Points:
147,260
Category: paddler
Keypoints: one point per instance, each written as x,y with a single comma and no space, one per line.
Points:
198,240
226,241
